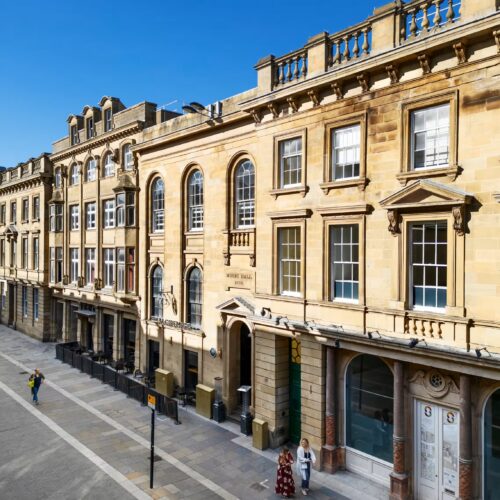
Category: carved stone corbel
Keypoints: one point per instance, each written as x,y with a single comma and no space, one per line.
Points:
393,73
256,115
496,36
227,259
252,260
292,102
459,49
458,218
393,218
337,90
363,80
313,95
425,63
274,109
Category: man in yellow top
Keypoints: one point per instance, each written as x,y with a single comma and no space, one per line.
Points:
37,377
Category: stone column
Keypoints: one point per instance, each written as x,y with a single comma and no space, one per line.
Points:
399,477
330,459
465,460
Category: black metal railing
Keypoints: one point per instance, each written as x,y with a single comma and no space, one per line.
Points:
70,353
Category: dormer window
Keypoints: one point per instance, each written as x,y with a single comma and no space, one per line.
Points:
108,120
128,159
90,128
74,135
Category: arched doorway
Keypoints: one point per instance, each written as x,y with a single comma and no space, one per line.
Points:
369,417
240,363
491,446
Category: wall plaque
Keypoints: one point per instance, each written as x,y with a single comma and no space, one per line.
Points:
240,278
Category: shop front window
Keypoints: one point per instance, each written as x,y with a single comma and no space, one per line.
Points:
369,407
492,447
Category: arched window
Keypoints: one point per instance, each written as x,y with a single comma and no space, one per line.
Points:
156,292
91,171
74,175
109,165
369,407
194,302
195,201
491,449
128,159
58,178
244,195
157,205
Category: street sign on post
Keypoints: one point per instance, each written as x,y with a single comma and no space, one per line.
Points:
152,405
152,401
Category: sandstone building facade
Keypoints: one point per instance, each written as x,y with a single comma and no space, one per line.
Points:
329,238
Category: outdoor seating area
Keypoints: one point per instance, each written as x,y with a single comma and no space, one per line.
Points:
119,374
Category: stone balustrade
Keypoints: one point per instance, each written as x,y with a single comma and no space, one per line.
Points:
290,68
239,239
421,18
348,45
391,26
425,328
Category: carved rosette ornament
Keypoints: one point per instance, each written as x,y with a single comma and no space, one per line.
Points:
392,216
458,219
435,383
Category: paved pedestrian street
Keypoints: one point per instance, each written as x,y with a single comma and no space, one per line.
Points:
86,440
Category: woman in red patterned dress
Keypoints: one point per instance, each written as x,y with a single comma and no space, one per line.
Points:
285,486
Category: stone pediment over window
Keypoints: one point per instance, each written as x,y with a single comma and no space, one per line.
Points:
425,195
10,231
237,306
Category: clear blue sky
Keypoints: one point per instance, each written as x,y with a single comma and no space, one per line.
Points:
57,56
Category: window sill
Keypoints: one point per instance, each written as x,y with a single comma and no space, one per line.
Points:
451,172
360,182
337,304
284,298
289,190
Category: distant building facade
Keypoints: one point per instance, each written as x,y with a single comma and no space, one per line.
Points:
24,294
93,228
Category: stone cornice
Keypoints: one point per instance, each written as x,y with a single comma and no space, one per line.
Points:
35,180
378,62
98,141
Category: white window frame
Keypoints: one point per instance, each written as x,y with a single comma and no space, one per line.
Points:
75,175
109,213
58,178
108,265
121,285
109,165
294,144
244,187
429,268
36,207
74,217
59,265
25,253
347,262
128,158
158,205
24,301
285,257
36,253
90,262
346,141
196,210
90,215
74,259
91,170
439,131
108,119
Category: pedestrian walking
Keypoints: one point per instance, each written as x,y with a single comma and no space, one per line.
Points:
285,485
305,457
35,381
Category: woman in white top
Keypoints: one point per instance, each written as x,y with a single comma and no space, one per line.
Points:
305,456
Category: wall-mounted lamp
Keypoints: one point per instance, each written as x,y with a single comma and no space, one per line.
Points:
371,334
283,319
478,351
336,343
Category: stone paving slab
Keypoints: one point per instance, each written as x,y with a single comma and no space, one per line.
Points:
216,454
